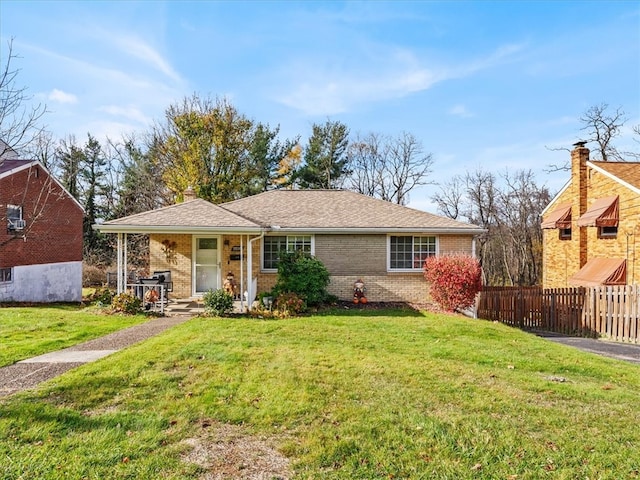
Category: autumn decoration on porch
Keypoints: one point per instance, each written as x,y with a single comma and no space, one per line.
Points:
169,250
229,285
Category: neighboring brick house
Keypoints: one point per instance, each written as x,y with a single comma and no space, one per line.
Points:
355,236
590,229
41,246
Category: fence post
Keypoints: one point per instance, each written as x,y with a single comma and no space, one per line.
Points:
552,312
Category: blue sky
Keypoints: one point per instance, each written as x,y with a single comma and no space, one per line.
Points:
491,85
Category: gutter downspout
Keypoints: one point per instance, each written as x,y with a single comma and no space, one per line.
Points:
241,272
250,268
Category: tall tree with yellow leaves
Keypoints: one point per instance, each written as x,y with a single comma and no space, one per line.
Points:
205,144
287,167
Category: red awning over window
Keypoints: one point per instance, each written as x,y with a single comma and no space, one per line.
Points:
601,271
559,218
602,213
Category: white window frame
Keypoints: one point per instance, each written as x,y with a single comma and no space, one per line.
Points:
218,261
289,238
13,218
413,237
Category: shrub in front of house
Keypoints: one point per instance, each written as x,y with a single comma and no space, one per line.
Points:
289,303
217,302
304,275
126,303
454,280
101,297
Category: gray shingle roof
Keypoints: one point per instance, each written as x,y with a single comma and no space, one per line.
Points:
335,209
301,210
192,215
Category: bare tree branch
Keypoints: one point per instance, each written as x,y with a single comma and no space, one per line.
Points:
19,123
602,127
388,168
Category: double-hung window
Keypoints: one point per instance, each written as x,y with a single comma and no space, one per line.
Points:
409,252
273,245
5,275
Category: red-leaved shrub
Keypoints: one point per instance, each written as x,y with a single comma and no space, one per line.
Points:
455,280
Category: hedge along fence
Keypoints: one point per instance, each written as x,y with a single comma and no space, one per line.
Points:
605,311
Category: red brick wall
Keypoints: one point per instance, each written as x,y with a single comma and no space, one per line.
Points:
53,231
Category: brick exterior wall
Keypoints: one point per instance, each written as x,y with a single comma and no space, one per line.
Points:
53,232
347,257
352,255
392,287
563,258
178,261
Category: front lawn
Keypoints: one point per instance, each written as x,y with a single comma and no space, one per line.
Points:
338,396
29,331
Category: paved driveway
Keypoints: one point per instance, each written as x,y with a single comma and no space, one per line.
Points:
628,352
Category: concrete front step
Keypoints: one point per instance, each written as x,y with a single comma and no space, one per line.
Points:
194,306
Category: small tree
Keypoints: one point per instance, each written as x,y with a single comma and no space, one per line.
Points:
303,275
455,280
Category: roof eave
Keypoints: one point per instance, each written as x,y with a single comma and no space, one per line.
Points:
174,229
274,229
613,177
381,230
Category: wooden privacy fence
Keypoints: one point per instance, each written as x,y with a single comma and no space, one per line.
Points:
605,311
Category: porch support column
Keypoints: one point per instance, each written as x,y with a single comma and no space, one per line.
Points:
119,264
125,267
250,292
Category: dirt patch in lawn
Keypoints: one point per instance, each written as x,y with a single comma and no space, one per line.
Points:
229,452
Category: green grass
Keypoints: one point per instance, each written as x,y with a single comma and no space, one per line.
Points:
29,331
392,394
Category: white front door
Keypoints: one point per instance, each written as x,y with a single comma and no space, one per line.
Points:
206,264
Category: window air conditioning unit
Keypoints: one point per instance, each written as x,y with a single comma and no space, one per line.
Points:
17,224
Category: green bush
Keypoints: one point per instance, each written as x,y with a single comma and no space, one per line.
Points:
217,302
126,303
303,275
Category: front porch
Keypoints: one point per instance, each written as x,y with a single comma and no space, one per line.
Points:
182,267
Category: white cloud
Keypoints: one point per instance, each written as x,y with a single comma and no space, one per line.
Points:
139,49
62,97
460,111
130,112
322,88
325,90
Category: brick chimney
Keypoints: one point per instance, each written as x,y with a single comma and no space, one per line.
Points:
579,158
190,194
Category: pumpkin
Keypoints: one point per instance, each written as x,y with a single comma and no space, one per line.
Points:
363,300
151,296
356,299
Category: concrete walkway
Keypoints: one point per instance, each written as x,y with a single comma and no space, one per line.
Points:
30,372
